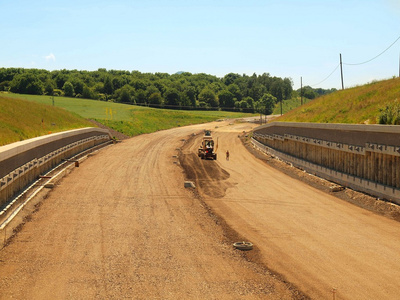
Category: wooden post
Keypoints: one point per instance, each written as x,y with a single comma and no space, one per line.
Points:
341,70
353,165
301,89
357,163
368,165
392,163
397,172
325,157
376,166
393,168
384,169
380,168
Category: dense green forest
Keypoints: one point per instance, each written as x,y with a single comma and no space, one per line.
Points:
183,90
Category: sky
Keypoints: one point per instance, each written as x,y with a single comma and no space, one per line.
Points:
299,39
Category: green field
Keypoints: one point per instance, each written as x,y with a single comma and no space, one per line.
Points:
127,119
27,116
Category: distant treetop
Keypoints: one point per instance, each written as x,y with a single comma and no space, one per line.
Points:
182,90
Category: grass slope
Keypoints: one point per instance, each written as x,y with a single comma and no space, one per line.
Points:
127,119
288,105
355,105
21,119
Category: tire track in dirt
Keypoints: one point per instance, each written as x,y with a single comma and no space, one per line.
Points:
209,177
212,181
122,226
314,239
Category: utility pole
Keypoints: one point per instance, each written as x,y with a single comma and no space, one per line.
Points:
341,70
301,90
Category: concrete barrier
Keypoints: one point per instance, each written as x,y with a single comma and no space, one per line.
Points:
23,162
363,157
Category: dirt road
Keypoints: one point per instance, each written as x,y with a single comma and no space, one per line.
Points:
315,240
122,226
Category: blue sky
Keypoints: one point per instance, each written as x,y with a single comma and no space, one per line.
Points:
286,38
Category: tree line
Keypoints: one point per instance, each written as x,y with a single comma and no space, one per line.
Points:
183,90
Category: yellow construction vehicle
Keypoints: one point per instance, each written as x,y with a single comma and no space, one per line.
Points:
208,148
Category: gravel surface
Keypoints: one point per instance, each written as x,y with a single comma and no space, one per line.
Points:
123,226
314,239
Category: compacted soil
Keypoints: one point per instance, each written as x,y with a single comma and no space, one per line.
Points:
122,226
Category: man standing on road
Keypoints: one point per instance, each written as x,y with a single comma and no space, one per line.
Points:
227,154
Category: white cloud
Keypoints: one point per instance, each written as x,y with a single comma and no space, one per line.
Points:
50,57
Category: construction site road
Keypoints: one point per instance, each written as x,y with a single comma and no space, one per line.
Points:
122,225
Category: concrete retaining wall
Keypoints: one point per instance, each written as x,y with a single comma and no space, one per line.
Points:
21,163
363,157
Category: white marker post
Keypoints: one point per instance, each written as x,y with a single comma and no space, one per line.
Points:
334,293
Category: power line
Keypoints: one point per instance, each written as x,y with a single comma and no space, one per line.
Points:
356,64
326,77
375,56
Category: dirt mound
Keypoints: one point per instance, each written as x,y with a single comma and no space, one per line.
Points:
208,176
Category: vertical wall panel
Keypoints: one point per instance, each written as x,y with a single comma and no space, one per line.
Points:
374,163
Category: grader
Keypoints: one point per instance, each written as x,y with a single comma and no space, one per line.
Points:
207,148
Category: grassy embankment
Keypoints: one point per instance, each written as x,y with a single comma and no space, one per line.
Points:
20,120
26,116
21,116
358,105
288,105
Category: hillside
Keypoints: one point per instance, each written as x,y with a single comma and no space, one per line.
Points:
358,105
68,113
288,105
21,119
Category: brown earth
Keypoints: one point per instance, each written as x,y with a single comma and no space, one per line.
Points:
379,206
314,239
122,226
